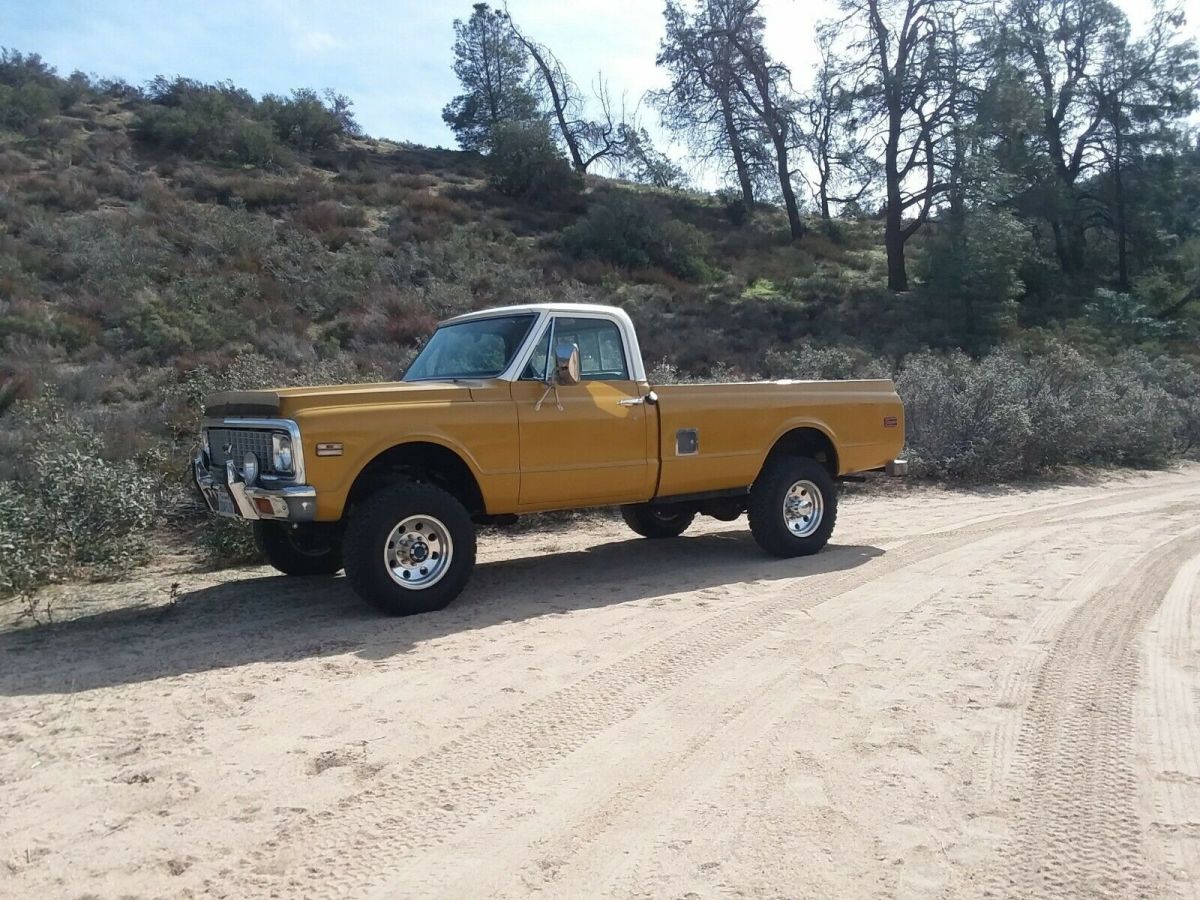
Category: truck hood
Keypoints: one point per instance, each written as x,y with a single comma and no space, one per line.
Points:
288,401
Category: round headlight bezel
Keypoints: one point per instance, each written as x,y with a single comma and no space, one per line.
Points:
250,467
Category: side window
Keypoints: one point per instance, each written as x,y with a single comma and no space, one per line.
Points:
601,351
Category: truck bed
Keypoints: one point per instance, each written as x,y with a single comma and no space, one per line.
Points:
735,425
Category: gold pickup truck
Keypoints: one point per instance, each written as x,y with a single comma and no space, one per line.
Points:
526,409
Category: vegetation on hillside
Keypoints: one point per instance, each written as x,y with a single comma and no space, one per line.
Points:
164,240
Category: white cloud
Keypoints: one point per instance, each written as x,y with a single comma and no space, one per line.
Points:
314,41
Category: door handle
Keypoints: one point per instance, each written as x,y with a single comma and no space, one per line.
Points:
650,398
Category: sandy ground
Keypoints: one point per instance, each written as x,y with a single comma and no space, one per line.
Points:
989,693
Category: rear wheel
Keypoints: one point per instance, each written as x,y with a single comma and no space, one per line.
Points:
410,548
793,506
657,521
299,550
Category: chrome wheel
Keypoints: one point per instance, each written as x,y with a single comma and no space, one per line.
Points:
418,552
803,508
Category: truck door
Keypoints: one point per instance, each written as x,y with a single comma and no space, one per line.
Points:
598,448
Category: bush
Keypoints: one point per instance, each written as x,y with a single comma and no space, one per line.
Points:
626,230
526,164
1013,413
221,122
227,542
307,123
811,361
26,105
971,281
254,144
72,511
192,119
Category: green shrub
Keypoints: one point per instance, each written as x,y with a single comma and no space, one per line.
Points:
227,542
971,280
624,229
253,143
222,122
526,164
26,105
306,122
71,511
200,125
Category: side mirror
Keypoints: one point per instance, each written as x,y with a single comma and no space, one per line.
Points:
566,364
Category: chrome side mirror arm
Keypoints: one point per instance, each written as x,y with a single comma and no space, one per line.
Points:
550,386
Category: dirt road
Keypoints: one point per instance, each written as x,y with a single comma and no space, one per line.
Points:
968,694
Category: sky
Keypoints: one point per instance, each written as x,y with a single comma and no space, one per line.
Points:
393,59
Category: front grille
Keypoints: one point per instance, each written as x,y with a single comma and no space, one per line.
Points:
240,440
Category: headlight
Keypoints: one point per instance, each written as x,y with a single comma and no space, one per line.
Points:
281,453
249,468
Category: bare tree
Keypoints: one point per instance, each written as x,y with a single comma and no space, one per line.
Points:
1062,45
587,140
703,103
1141,88
898,46
837,145
765,86
642,162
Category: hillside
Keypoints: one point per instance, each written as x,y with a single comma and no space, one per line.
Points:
157,243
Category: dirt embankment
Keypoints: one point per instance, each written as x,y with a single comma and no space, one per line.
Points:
967,694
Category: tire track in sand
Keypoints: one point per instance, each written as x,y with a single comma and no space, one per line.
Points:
345,849
1169,732
1077,830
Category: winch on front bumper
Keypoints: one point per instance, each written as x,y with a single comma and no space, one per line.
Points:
247,492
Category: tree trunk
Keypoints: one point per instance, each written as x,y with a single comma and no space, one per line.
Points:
1060,244
893,240
823,167
1119,212
893,228
795,223
557,100
569,138
1076,248
739,158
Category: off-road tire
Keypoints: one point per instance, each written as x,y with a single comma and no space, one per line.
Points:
656,521
366,540
298,551
766,508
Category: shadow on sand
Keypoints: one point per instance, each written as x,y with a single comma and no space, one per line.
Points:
266,619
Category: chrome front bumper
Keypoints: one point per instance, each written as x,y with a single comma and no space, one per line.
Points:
228,495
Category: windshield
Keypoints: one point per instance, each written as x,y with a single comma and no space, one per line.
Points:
482,348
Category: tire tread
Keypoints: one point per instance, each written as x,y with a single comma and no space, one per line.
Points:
766,502
367,529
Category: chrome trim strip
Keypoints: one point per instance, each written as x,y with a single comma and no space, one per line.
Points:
514,369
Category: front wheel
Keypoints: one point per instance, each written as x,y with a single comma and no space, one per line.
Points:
793,506
299,550
657,521
409,548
